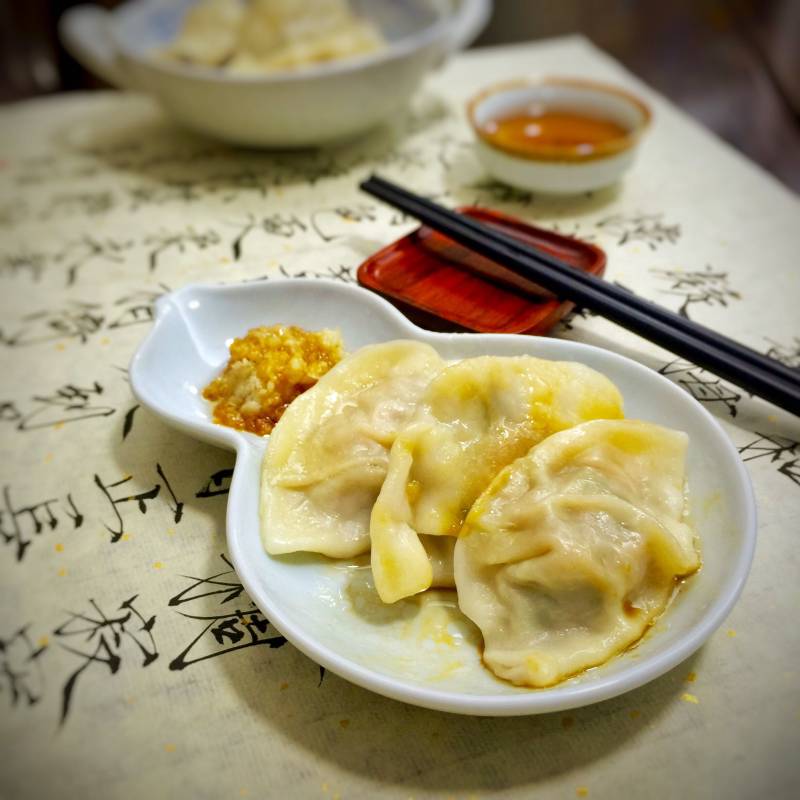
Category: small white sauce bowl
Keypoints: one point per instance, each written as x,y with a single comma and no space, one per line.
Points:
559,170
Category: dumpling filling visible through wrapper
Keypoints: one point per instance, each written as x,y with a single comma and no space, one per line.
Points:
327,456
474,418
575,549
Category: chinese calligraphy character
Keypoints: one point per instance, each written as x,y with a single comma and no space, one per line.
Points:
127,425
81,320
779,450
701,286
83,203
701,385
100,641
78,253
449,148
134,308
568,321
19,523
330,223
231,629
140,499
341,273
275,225
35,170
68,403
228,186
218,484
647,228
20,668
249,180
76,320
496,192
23,261
159,193
308,167
788,354
161,242
571,228
404,158
9,412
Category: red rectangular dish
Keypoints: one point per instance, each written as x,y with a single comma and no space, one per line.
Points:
427,272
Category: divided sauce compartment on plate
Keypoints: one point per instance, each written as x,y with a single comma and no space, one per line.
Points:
429,273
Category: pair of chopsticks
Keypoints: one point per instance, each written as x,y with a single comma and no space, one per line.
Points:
756,373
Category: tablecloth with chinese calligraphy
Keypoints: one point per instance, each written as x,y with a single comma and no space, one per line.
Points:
133,664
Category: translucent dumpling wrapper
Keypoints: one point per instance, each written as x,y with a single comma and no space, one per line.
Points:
328,454
476,416
209,32
286,34
440,551
574,549
260,32
301,19
355,39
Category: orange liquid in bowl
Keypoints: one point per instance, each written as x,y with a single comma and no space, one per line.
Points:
551,132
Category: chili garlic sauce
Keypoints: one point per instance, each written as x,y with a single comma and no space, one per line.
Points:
268,368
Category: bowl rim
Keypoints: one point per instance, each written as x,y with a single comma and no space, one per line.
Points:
558,698
567,153
435,33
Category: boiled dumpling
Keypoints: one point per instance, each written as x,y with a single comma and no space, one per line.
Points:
209,32
285,34
476,416
574,549
440,551
260,32
327,456
301,19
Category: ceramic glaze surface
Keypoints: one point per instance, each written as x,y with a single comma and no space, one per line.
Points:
422,650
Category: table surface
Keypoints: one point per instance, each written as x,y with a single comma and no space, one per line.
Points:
131,661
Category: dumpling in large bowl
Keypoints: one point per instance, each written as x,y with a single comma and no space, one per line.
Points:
476,416
209,33
328,454
575,549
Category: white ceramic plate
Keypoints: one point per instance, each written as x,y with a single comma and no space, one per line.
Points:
423,651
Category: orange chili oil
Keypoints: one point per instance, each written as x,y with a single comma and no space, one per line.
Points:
268,368
531,132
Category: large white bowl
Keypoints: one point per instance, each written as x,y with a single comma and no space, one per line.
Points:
311,106
328,611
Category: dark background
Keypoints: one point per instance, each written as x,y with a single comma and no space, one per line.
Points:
732,64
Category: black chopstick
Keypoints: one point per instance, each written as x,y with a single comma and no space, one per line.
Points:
385,189
752,371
